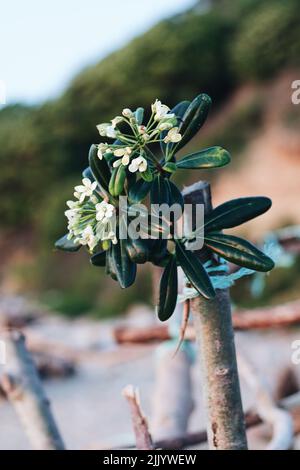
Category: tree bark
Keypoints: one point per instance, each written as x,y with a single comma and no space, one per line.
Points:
214,334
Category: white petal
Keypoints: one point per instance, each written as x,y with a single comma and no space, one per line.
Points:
117,163
125,160
119,152
132,167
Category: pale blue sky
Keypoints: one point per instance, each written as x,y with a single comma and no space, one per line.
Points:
43,44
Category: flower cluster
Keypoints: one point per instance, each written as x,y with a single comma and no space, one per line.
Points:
91,220
130,148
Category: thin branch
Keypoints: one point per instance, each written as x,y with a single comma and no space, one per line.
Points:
184,324
139,421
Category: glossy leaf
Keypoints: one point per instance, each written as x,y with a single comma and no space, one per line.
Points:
65,244
139,249
159,254
194,118
99,259
194,271
99,168
139,190
109,267
212,157
170,167
236,212
123,267
168,290
175,196
147,175
87,173
159,191
238,251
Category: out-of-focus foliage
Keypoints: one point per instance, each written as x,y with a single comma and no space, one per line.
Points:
267,40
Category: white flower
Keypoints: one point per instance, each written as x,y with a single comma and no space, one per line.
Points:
116,121
173,136
160,110
73,204
123,152
127,113
102,148
85,190
107,130
165,125
104,211
124,161
138,164
88,238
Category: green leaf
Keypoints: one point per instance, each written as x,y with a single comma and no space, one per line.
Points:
139,249
170,167
139,190
117,181
159,191
194,271
179,111
239,251
99,168
147,175
194,118
208,158
124,268
175,196
236,212
87,173
159,253
99,259
139,115
168,290
65,244
110,267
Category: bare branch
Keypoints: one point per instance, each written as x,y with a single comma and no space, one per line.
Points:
139,421
24,389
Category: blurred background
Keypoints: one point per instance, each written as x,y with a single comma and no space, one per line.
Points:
68,66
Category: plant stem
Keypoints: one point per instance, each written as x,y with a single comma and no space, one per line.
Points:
214,334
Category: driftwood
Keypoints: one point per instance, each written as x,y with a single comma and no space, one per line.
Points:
139,422
252,419
172,401
267,317
280,419
22,386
